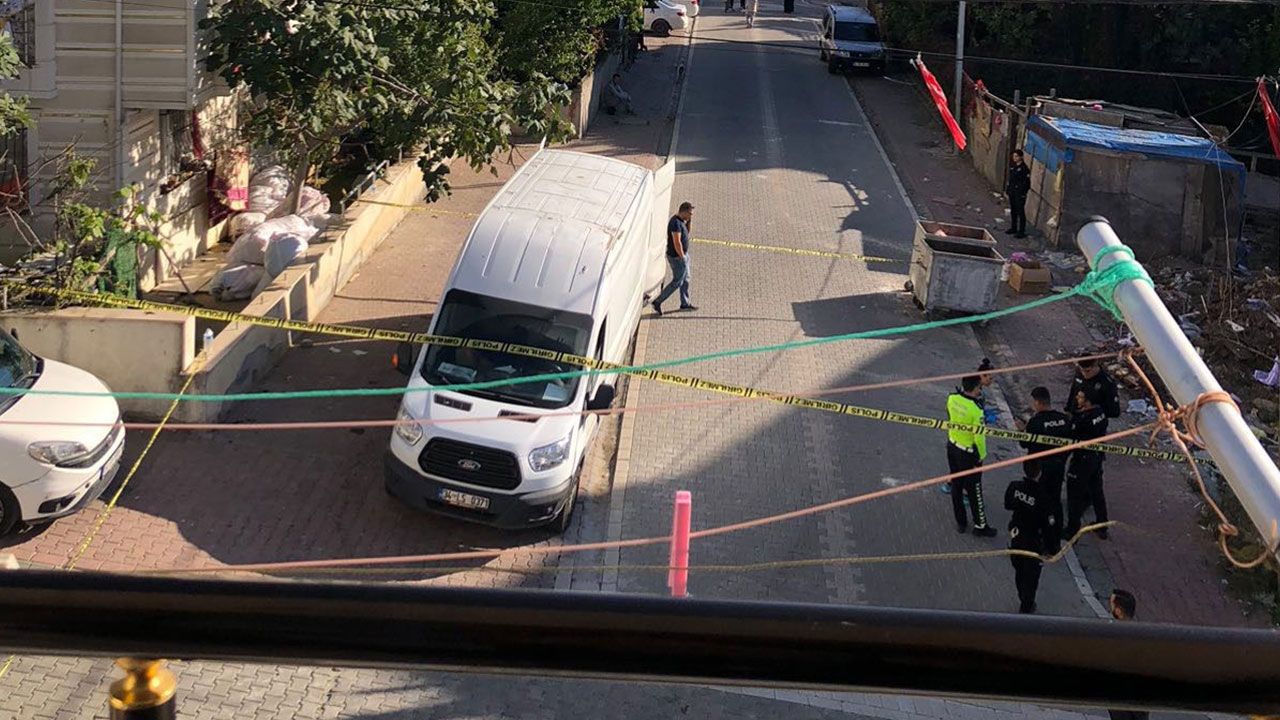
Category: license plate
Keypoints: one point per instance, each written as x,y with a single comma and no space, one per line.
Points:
463,500
860,64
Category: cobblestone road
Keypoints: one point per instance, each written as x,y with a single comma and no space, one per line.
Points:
783,157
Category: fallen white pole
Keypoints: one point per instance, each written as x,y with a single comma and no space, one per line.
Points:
1240,457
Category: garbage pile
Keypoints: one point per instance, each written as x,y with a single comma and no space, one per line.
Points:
1234,322
264,245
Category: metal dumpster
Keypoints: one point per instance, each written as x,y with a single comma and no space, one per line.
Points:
954,267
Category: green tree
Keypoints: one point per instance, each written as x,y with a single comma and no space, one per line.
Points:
561,43
414,73
13,110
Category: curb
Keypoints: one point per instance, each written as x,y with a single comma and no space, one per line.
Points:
622,461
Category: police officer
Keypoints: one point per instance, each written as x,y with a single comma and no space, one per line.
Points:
1053,468
966,450
1091,376
1031,528
988,414
1084,469
1016,188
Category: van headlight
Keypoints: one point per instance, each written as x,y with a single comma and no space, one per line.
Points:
58,452
841,53
549,456
407,427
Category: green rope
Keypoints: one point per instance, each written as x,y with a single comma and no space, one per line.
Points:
1098,284
1102,288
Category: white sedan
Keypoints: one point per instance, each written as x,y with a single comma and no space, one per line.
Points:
48,471
663,16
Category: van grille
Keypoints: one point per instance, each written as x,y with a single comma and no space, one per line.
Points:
474,464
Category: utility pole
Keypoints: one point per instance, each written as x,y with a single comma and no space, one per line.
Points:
1240,457
959,59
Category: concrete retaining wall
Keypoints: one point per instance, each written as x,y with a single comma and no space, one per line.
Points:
127,349
241,355
134,350
585,105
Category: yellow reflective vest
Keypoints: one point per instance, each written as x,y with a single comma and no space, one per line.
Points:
963,410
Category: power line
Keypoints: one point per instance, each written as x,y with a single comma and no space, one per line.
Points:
1086,68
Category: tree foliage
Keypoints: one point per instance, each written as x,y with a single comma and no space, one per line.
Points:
1241,40
559,40
415,73
89,239
13,110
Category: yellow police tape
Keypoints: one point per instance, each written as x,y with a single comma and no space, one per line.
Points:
796,251
364,333
703,241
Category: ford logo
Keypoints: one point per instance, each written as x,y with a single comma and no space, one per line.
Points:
468,464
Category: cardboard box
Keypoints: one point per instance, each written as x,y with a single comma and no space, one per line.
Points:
1032,278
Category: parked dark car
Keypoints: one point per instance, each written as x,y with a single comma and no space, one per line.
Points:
851,40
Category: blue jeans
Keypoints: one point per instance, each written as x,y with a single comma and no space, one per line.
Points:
679,279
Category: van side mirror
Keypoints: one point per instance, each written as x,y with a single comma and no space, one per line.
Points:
603,399
403,359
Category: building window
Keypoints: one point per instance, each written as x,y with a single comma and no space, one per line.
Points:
13,171
177,151
19,17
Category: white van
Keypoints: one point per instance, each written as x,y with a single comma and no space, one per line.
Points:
563,258
50,471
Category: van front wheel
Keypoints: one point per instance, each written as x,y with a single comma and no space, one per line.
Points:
560,525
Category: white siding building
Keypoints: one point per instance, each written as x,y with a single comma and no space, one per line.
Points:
124,81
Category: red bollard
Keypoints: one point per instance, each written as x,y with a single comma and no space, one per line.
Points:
678,575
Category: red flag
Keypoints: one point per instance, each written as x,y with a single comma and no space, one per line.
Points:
940,99
1269,112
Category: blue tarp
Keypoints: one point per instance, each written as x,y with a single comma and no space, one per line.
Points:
1065,134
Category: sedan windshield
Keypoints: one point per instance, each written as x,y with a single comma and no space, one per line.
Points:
468,315
857,32
18,368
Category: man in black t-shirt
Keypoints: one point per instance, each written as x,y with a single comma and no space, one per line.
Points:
678,229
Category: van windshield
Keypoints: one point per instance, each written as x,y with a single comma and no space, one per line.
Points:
468,315
18,368
857,32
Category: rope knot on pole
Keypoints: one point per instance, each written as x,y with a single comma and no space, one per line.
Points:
1166,421
1101,284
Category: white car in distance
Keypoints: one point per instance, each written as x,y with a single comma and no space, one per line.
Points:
663,16
48,471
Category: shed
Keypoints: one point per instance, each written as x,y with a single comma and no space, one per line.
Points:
1165,193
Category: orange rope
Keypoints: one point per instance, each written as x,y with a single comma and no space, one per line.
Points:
1166,422
638,542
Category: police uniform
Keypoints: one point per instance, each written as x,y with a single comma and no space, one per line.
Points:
966,450
1053,468
1016,187
1101,387
1084,470
1031,528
